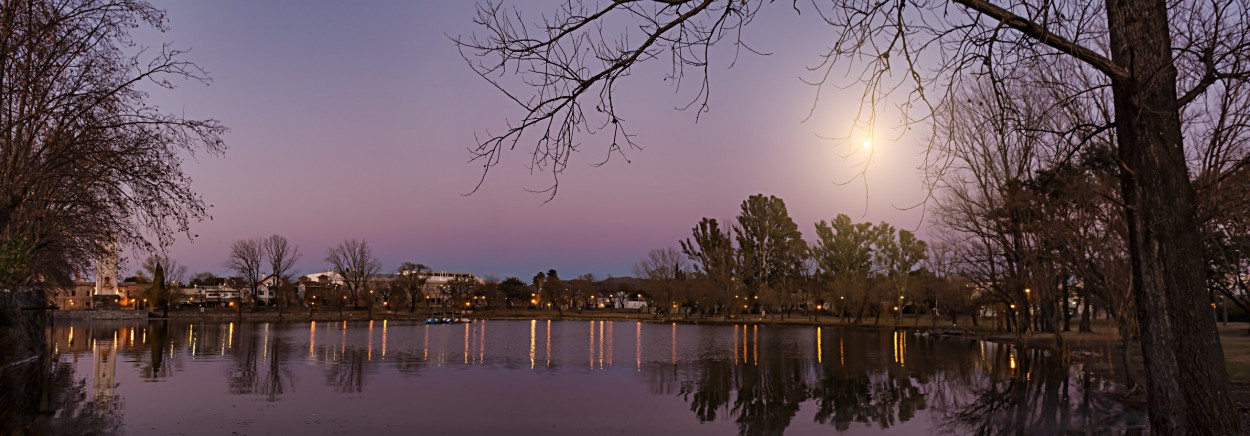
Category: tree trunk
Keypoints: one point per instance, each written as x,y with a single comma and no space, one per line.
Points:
1186,380
1067,305
1086,325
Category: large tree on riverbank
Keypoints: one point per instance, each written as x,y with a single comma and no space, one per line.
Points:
86,162
1156,57
411,278
714,256
247,260
663,268
354,263
770,246
281,256
844,257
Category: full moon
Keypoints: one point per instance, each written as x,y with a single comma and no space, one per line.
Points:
867,144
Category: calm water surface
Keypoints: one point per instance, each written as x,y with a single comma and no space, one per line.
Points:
560,377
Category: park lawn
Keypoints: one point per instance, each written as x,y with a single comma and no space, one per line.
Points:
1236,342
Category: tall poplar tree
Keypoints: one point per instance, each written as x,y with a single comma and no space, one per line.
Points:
770,245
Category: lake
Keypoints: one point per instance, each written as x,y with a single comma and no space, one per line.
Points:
545,377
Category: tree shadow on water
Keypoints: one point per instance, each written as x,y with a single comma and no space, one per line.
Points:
45,398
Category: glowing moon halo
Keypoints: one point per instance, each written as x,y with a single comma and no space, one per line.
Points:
867,144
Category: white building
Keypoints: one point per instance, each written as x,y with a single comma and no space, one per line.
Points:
329,277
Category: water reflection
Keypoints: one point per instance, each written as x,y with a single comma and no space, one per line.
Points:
762,380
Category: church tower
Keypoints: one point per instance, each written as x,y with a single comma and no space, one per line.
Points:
106,271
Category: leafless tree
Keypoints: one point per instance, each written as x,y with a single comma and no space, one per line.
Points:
1038,209
87,162
412,278
491,293
282,256
175,273
663,268
353,261
381,288
460,291
247,259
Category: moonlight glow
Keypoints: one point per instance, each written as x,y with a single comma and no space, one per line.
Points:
867,144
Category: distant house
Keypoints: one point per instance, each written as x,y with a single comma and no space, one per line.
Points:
325,277
132,292
312,292
75,296
215,295
435,287
322,284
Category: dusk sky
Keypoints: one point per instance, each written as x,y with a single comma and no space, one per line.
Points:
353,119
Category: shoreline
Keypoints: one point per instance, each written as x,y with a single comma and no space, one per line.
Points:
923,326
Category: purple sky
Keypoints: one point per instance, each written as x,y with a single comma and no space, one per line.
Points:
352,119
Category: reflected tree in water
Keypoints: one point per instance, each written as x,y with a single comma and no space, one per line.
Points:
347,375
244,378
711,390
855,391
278,378
1036,398
769,396
157,367
410,363
968,386
254,355
43,398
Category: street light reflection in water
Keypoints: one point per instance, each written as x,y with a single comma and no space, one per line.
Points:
687,379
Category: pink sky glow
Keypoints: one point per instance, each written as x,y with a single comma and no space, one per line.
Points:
352,120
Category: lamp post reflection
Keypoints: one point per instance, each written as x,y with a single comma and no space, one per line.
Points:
773,380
